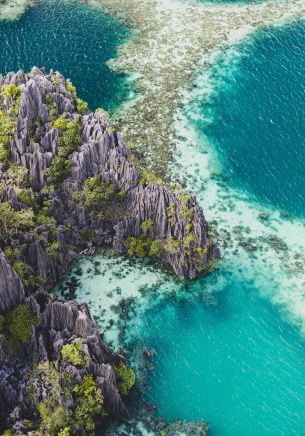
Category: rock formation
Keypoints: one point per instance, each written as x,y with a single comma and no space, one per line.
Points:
67,182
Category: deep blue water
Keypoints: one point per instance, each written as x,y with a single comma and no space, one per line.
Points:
258,117
72,38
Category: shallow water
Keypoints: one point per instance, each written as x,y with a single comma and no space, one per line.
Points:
223,351
72,38
257,119
234,362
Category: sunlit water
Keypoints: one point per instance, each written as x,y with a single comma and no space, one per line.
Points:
258,119
223,353
72,38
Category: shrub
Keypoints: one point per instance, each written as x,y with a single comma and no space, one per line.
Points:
138,246
19,322
150,177
7,126
71,137
125,378
156,248
42,219
97,192
59,169
147,225
54,416
61,123
89,403
10,90
70,87
17,174
75,353
81,106
25,197
12,222
52,106
53,249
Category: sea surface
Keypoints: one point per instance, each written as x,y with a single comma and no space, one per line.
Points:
70,37
257,118
222,351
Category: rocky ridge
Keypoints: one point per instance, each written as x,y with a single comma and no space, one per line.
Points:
68,182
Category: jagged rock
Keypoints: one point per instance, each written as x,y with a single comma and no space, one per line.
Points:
102,152
11,288
177,221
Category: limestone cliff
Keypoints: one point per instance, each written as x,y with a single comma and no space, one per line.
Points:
68,182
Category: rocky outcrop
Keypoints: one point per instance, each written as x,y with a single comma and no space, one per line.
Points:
41,174
11,288
102,152
60,323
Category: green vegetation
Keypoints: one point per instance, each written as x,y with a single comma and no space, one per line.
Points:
7,127
100,198
53,249
27,198
43,218
52,106
125,378
12,222
81,106
89,403
18,323
17,174
59,169
67,143
10,90
149,177
71,137
70,87
147,225
138,246
56,414
75,354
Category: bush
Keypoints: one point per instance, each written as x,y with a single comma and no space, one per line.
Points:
13,222
7,126
61,123
156,248
10,90
125,378
81,106
59,169
53,249
70,87
150,177
17,174
75,353
89,403
71,137
25,197
97,192
52,106
42,219
138,246
147,225
19,322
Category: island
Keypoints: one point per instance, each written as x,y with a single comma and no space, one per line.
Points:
68,184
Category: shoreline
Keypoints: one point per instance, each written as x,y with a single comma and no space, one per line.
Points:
178,53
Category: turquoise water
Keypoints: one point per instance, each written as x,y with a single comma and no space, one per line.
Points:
258,119
236,364
72,38
228,358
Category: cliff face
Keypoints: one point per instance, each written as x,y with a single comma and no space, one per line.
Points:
177,222
60,323
67,181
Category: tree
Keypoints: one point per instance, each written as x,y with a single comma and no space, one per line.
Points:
12,221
